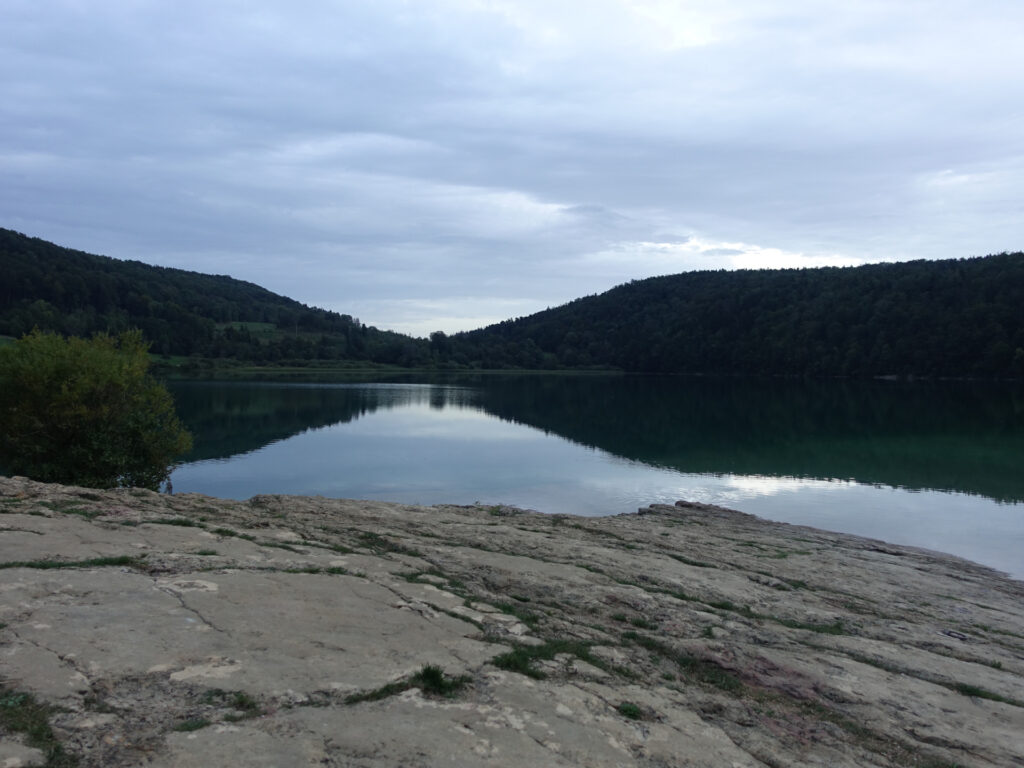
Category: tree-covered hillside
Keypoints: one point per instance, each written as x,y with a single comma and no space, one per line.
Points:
49,287
925,318
922,318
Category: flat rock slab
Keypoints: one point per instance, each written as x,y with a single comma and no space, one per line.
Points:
176,631
258,632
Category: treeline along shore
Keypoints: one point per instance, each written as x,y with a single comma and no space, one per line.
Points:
952,318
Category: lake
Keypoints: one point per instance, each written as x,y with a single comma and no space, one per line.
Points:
928,464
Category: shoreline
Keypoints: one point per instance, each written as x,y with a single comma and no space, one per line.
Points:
181,630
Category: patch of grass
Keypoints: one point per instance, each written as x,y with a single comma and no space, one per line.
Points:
244,702
281,545
183,522
239,700
192,724
522,657
630,710
695,668
520,660
229,533
304,569
434,682
878,743
643,623
431,680
980,693
336,570
996,631
245,705
728,605
57,506
88,514
96,562
528,618
381,544
21,713
206,552
835,628
678,594
963,688
620,617
688,561
456,586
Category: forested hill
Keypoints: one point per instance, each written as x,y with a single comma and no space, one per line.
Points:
927,318
924,318
49,287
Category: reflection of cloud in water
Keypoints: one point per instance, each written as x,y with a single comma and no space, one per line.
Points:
453,422
428,445
763,485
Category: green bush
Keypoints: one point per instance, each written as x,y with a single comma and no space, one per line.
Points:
86,412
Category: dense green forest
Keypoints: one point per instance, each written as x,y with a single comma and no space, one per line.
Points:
955,318
952,318
179,312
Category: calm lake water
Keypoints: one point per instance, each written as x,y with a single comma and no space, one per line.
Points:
934,465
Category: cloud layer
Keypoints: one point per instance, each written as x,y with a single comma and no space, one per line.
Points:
443,165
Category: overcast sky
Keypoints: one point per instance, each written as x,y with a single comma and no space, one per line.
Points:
443,164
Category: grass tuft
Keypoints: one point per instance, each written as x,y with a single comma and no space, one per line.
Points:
182,522
835,628
193,724
96,562
695,668
431,680
630,710
380,544
522,657
21,713
980,693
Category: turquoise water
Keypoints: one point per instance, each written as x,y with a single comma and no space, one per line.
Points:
934,466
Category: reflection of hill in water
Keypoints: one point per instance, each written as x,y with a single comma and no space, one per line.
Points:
228,419
946,436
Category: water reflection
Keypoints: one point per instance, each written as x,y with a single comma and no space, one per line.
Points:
231,418
960,437
924,465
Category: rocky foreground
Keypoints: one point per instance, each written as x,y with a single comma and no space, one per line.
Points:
146,629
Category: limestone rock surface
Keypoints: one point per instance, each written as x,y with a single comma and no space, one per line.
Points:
183,630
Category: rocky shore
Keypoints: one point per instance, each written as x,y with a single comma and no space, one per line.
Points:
170,631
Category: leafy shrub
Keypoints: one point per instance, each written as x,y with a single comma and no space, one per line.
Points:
86,412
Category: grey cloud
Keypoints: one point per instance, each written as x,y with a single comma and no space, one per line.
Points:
416,153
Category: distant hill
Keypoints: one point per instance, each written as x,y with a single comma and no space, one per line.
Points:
180,312
954,318
924,318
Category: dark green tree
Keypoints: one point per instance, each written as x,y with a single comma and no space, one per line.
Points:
86,412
